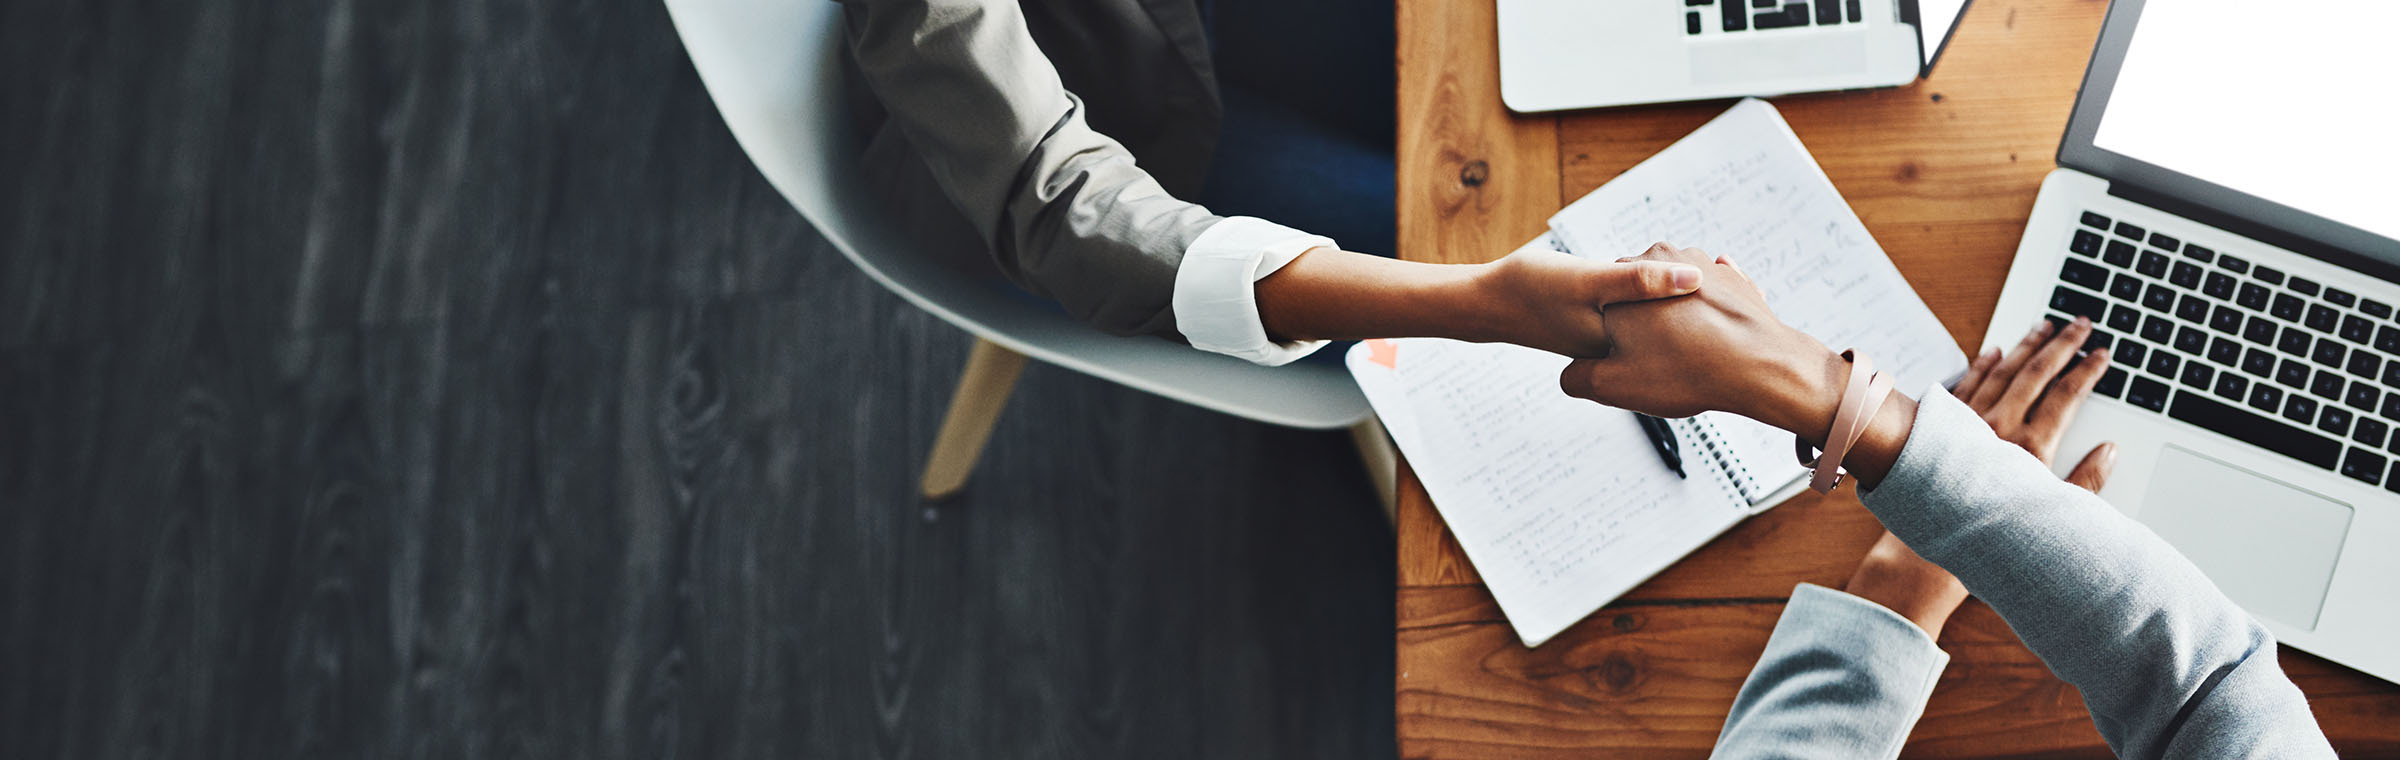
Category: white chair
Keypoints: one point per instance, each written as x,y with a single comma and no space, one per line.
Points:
774,68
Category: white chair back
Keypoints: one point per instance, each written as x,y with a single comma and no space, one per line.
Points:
774,68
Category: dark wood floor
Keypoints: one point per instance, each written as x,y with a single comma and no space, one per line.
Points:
397,379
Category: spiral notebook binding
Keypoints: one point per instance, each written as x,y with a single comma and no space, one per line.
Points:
1731,471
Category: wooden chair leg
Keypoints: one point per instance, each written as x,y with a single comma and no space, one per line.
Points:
983,390
1383,463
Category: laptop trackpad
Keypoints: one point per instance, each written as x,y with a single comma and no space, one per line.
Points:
2269,546
1775,60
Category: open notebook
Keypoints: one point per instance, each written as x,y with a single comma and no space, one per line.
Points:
1562,504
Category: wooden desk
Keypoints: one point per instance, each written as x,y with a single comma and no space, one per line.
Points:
1943,173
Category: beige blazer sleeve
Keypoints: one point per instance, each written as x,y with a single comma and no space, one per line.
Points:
1065,210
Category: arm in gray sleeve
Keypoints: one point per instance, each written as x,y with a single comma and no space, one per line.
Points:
2167,664
1066,210
1841,678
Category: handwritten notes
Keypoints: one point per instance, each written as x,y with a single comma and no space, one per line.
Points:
1562,504
1743,186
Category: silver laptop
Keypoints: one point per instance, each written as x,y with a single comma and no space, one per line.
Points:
1559,54
2227,210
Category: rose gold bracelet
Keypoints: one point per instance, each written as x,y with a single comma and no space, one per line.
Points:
1862,397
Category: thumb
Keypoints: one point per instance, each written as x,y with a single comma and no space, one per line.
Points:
1643,281
1592,379
2092,473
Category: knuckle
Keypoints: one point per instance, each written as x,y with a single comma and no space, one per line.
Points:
1656,279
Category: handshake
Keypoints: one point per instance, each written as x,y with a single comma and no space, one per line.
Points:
1672,332
1675,332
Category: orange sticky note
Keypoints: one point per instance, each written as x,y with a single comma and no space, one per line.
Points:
1383,352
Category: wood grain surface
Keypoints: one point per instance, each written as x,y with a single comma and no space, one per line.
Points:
389,379
1943,173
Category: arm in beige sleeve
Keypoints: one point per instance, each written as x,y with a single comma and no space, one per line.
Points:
1068,213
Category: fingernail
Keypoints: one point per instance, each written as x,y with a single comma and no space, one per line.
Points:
1991,354
2108,457
2081,321
1685,277
2040,327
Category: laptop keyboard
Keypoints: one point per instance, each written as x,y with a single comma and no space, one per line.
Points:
2298,367
1744,15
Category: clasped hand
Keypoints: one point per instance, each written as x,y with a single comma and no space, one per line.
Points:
1718,349
1553,301
1722,349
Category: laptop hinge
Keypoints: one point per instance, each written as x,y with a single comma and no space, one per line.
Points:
1931,43
2253,230
1910,14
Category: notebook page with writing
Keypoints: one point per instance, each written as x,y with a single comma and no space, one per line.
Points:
1744,186
1561,504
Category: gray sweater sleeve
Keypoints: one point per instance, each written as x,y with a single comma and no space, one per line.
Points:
1067,213
2167,664
1842,677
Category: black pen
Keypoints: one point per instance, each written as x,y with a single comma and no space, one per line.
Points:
1662,436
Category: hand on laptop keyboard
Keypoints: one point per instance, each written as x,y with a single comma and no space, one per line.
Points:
2278,361
1892,575
2030,394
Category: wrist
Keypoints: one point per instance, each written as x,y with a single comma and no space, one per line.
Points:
1878,449
1331,294
1805,392
1897,579
1471,296
1922,598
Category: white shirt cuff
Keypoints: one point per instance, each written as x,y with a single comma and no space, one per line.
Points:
1216,300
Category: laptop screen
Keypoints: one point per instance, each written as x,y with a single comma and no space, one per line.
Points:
2290,104
2254,97
1936,20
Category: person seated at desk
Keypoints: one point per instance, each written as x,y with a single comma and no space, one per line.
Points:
974,108
2168,666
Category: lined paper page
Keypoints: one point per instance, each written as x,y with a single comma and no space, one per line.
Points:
1743,186
1561,503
